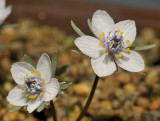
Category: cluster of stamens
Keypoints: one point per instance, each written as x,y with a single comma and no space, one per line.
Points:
33,85
113,44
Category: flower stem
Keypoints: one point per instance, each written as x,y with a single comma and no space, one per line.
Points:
53,111
89,99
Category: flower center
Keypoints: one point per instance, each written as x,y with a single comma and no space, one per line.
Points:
33,85
113,44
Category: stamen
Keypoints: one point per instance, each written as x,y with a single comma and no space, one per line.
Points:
114,43
106,53
120,55
127,41
100,43
22,88
32,72
127,50
36,72
128,45
121,33
33,85
43,84
117,56
100,36
31,97
103,34
26,95
103,51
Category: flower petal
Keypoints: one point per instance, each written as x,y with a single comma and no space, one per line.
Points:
33,104
128,28
4,13
102,22
44,67
2,4
104,65
51,90
19,71
17,97
89,46
131,61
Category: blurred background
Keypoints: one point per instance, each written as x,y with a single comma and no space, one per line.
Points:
44,26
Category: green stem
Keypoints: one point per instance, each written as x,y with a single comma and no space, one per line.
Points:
53,111
89,99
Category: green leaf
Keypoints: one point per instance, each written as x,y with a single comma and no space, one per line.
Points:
29,60
146,47
64,85
62,69
77,51
60,92
15,108
42,106
89,24
76,29
54,63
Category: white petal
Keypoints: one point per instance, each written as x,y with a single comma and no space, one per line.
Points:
128,28
44,67
17,97
51,90
19,71
131,61
2,4
4,13
33,104
103,66
102,22
89,46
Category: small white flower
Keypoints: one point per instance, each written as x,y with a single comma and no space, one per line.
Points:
4,12
34,85
111,47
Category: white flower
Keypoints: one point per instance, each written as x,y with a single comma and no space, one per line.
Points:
111,47
34,85
4,12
